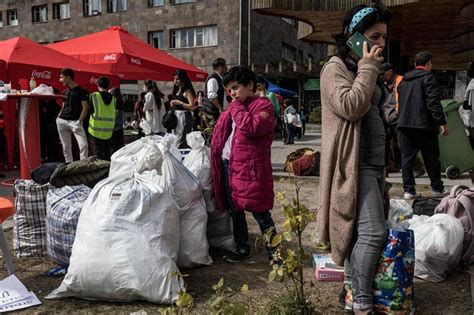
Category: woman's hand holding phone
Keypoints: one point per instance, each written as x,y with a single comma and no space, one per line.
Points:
374,52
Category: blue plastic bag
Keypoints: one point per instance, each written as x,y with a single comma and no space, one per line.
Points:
393,282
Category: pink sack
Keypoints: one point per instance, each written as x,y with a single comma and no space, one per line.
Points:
460,204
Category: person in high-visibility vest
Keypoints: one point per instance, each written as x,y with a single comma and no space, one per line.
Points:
102,119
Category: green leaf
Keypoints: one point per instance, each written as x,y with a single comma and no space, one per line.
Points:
184,300
220,283
280,272
287,236
276,240
272,275
244,288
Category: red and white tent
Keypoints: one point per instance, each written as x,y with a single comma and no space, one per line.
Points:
25,59
117,51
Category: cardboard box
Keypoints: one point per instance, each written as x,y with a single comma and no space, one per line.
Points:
326,269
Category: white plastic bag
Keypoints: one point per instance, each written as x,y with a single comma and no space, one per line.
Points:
126,244
186,191
198,162
399,212
43,89
140,155
438,245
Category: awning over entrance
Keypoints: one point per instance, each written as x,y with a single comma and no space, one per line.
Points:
444,27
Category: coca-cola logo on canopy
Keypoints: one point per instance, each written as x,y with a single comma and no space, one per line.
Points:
110,57
135,61
41,74
200,75
93,80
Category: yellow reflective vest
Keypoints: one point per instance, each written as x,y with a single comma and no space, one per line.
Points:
102,121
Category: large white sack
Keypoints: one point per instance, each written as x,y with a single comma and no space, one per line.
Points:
198,162
139,155
438,245
186,191
126,244
219,231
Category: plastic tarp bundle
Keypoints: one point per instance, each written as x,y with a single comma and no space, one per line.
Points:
219,224
186,191
438,245
63,206
126,244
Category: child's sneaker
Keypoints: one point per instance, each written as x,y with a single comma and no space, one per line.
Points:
237,256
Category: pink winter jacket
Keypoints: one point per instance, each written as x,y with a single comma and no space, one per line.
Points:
250,167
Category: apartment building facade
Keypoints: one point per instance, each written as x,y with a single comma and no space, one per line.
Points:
196,31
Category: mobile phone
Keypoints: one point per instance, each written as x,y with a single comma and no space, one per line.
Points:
356,44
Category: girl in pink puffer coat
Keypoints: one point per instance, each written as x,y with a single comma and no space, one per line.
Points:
241,161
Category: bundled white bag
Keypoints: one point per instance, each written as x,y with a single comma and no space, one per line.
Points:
438,245
126,244
219,224
143,151
198,162
186,191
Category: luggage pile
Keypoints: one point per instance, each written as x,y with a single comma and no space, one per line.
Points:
124,236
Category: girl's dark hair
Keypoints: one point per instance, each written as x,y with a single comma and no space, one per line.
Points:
119,102
153,88
187,85
242,74
142,96
382,14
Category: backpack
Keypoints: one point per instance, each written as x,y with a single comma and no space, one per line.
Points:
425,205
460,204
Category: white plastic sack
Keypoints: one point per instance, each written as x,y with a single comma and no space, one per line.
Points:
198,162
186,191
438,245
219,231
43,89
399,212
140,155
126,244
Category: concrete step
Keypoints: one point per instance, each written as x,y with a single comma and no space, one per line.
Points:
313,127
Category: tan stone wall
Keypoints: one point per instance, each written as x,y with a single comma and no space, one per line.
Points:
266,36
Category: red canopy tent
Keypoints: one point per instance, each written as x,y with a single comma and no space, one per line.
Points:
3,70
117,51
23,59
26,59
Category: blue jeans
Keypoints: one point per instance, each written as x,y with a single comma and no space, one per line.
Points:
369,236
241,233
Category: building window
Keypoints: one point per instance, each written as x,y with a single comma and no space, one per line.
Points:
61,11
116,6
12,17
156,39
300,56
181,1
1,19
92,7
288,52
39,13
155,3
194,37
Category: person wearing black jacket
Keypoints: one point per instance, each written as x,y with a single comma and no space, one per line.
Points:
420,120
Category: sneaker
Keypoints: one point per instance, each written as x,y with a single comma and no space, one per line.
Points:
443,193
237,256
410,196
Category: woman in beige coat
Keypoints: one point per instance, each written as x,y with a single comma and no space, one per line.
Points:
352,177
